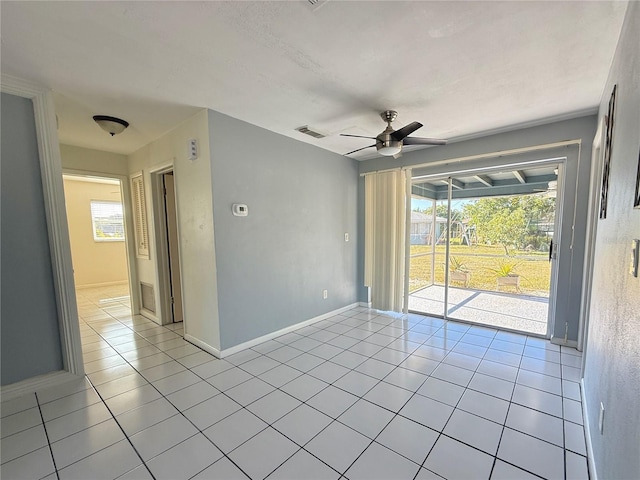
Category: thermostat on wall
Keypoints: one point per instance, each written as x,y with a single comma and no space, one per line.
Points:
240,210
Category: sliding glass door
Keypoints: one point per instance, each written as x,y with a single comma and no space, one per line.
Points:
426,274
481,247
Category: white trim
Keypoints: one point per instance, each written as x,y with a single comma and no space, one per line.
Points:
102,284
407,242
497,166
204,346
558,240
129,226
595,185
161,252
149,315
243,346
161,255
56,215
501,153
373,172
593,474
364,304
36,383
560,341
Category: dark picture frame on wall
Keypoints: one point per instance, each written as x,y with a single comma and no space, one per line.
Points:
604,197
636,198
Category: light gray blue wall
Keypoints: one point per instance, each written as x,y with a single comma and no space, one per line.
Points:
612,369
274,264
30,336
570,263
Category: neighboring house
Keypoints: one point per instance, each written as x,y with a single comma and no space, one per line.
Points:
422,232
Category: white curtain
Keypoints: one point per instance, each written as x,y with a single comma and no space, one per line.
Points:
385,233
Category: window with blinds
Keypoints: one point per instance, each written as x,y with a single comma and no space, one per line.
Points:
107,221
140,210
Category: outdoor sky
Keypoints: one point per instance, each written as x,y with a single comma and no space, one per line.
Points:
423,204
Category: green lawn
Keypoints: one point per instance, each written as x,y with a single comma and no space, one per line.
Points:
534,267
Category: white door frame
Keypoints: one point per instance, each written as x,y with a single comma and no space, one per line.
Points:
162,246
129,229
59,245
597,164
561,163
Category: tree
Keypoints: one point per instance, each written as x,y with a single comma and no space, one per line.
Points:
441,211
509,221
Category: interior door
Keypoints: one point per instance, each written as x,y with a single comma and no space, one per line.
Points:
172,241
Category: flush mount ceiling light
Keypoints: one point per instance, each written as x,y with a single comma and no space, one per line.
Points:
109,124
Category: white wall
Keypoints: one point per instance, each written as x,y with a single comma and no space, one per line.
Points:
85,159
195,224
612,368
94,263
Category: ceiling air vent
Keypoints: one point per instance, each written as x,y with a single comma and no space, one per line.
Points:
310,131
316,4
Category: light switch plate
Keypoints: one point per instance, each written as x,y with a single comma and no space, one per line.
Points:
635,253
192,153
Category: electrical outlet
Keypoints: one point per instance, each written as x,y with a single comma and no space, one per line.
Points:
601,419
325,294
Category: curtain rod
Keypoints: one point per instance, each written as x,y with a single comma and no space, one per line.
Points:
500,153
384,171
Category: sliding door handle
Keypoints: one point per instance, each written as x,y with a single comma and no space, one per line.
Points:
550,250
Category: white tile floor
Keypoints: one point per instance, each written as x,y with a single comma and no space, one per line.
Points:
358,396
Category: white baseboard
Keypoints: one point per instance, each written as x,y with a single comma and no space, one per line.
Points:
243,346
587,434
149,316
204,346
364,304
560,341
33,384
102,284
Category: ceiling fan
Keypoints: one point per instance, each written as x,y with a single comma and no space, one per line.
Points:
390,141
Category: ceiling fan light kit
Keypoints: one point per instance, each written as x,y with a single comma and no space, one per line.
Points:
112,125
393,148
389,143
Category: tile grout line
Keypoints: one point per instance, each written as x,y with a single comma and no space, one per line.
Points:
46,433
504,426
177,409
440,363
324,360
123,432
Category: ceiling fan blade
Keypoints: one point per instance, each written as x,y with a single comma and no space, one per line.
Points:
423,141
406,130
354,151
358,136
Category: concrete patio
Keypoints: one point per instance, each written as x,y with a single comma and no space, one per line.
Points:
502,310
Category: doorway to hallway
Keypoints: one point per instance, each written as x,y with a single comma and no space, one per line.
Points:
97,233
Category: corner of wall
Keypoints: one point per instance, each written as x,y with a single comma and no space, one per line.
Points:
195,222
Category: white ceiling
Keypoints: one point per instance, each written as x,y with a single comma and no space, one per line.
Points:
460,68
